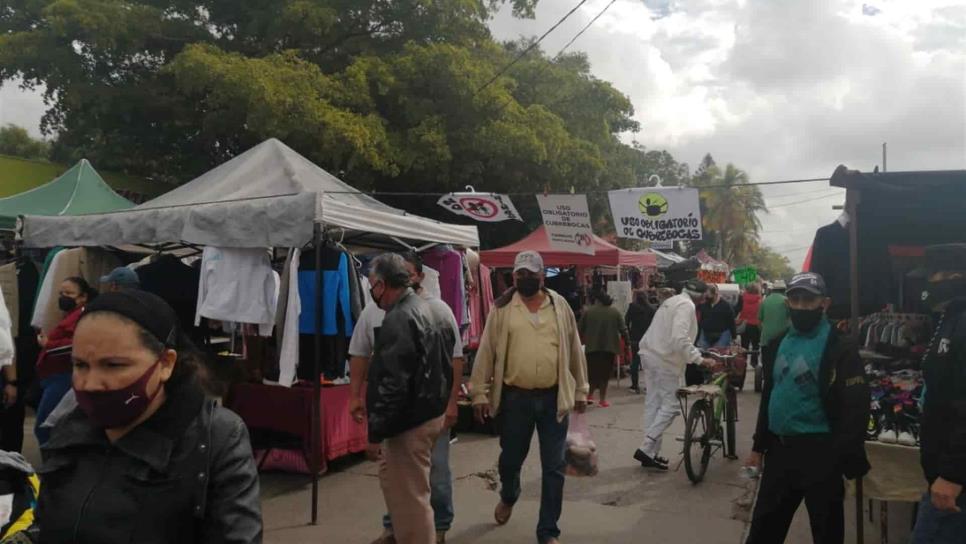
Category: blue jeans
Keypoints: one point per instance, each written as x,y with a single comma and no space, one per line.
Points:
54,388
520,412
935,527
723,341
440,484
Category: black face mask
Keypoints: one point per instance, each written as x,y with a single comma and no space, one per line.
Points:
416,286
377,300
806,320
528,286
940,292
66,304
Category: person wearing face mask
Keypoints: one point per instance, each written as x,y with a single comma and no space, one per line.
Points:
811,422
410,381
942,513
666,349
530,372
360,351
145,456
53,364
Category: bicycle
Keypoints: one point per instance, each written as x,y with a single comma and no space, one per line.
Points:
703,430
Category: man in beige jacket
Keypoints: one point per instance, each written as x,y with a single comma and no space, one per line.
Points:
530,372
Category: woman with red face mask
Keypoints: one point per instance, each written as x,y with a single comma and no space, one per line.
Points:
53,365
146,456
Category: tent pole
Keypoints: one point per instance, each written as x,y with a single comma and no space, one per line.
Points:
852,206
318,236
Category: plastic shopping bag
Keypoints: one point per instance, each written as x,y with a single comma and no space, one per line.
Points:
581,454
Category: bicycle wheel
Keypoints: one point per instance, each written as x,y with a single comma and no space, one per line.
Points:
731,416
697,440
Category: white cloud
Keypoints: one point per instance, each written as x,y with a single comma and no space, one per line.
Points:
19,107
784,90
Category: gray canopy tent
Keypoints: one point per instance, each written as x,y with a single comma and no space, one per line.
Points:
269,196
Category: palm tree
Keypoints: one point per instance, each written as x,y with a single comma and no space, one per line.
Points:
731,209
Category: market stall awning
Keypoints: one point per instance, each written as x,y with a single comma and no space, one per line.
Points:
667,258
268,196
79,190
606,254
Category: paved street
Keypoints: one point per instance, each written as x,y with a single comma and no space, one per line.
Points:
622,504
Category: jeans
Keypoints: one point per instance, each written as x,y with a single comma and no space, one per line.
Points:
660,404
440,484
935,527
635,371
723,341
54,388
520,412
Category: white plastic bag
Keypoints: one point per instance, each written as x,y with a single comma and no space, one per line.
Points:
581,453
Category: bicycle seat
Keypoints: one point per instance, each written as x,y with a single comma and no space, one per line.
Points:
704,391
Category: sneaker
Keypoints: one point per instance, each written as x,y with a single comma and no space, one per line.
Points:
661,460
906,439
888,436
635,390
604,404
647,462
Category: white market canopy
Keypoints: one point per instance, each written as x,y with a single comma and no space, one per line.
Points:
269,196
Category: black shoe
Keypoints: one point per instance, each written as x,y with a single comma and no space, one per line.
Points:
647,462
636,390
662,460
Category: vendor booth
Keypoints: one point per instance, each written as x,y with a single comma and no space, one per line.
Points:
872,259
239,216
79,190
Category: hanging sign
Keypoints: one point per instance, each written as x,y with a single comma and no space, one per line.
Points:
486,207
746,275
656,215
567,222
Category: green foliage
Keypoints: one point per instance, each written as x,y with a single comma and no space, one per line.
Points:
729,211
16,142
18,175
770,265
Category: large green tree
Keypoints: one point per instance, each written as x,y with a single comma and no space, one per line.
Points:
17,142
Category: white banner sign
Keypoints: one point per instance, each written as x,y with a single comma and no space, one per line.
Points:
656,215
486,207
567,221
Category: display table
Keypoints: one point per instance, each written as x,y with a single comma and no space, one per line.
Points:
288,411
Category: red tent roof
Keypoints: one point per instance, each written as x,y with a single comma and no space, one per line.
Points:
606,254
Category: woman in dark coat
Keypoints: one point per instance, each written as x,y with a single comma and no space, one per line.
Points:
601,329
146,457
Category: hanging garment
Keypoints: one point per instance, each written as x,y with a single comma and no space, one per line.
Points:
336,298
6,339
475,299
89,263
288,330
449,264
11,295
486,292
431,281
237,284
176,283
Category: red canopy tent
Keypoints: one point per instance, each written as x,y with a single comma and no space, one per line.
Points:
606,254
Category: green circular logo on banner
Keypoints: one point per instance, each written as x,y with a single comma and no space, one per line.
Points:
652,204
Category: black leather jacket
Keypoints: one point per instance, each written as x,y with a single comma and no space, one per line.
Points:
411,372
845,397
185,475
943,431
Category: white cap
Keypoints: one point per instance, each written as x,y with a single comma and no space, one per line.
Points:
528,260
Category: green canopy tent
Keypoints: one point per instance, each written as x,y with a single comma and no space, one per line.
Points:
80,190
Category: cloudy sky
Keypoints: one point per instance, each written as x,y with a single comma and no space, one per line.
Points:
784,89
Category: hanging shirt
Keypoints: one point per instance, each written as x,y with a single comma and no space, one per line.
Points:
336,300
237,285
449,264
6,337
796,401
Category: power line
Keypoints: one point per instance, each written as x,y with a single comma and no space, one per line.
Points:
530,48
805,193
785,205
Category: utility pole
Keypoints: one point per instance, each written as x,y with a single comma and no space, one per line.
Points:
884,167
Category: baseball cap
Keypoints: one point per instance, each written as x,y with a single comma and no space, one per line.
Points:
528,260
809,282
122,276
696,286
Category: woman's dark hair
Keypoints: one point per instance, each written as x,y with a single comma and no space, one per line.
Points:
640,297
84,287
